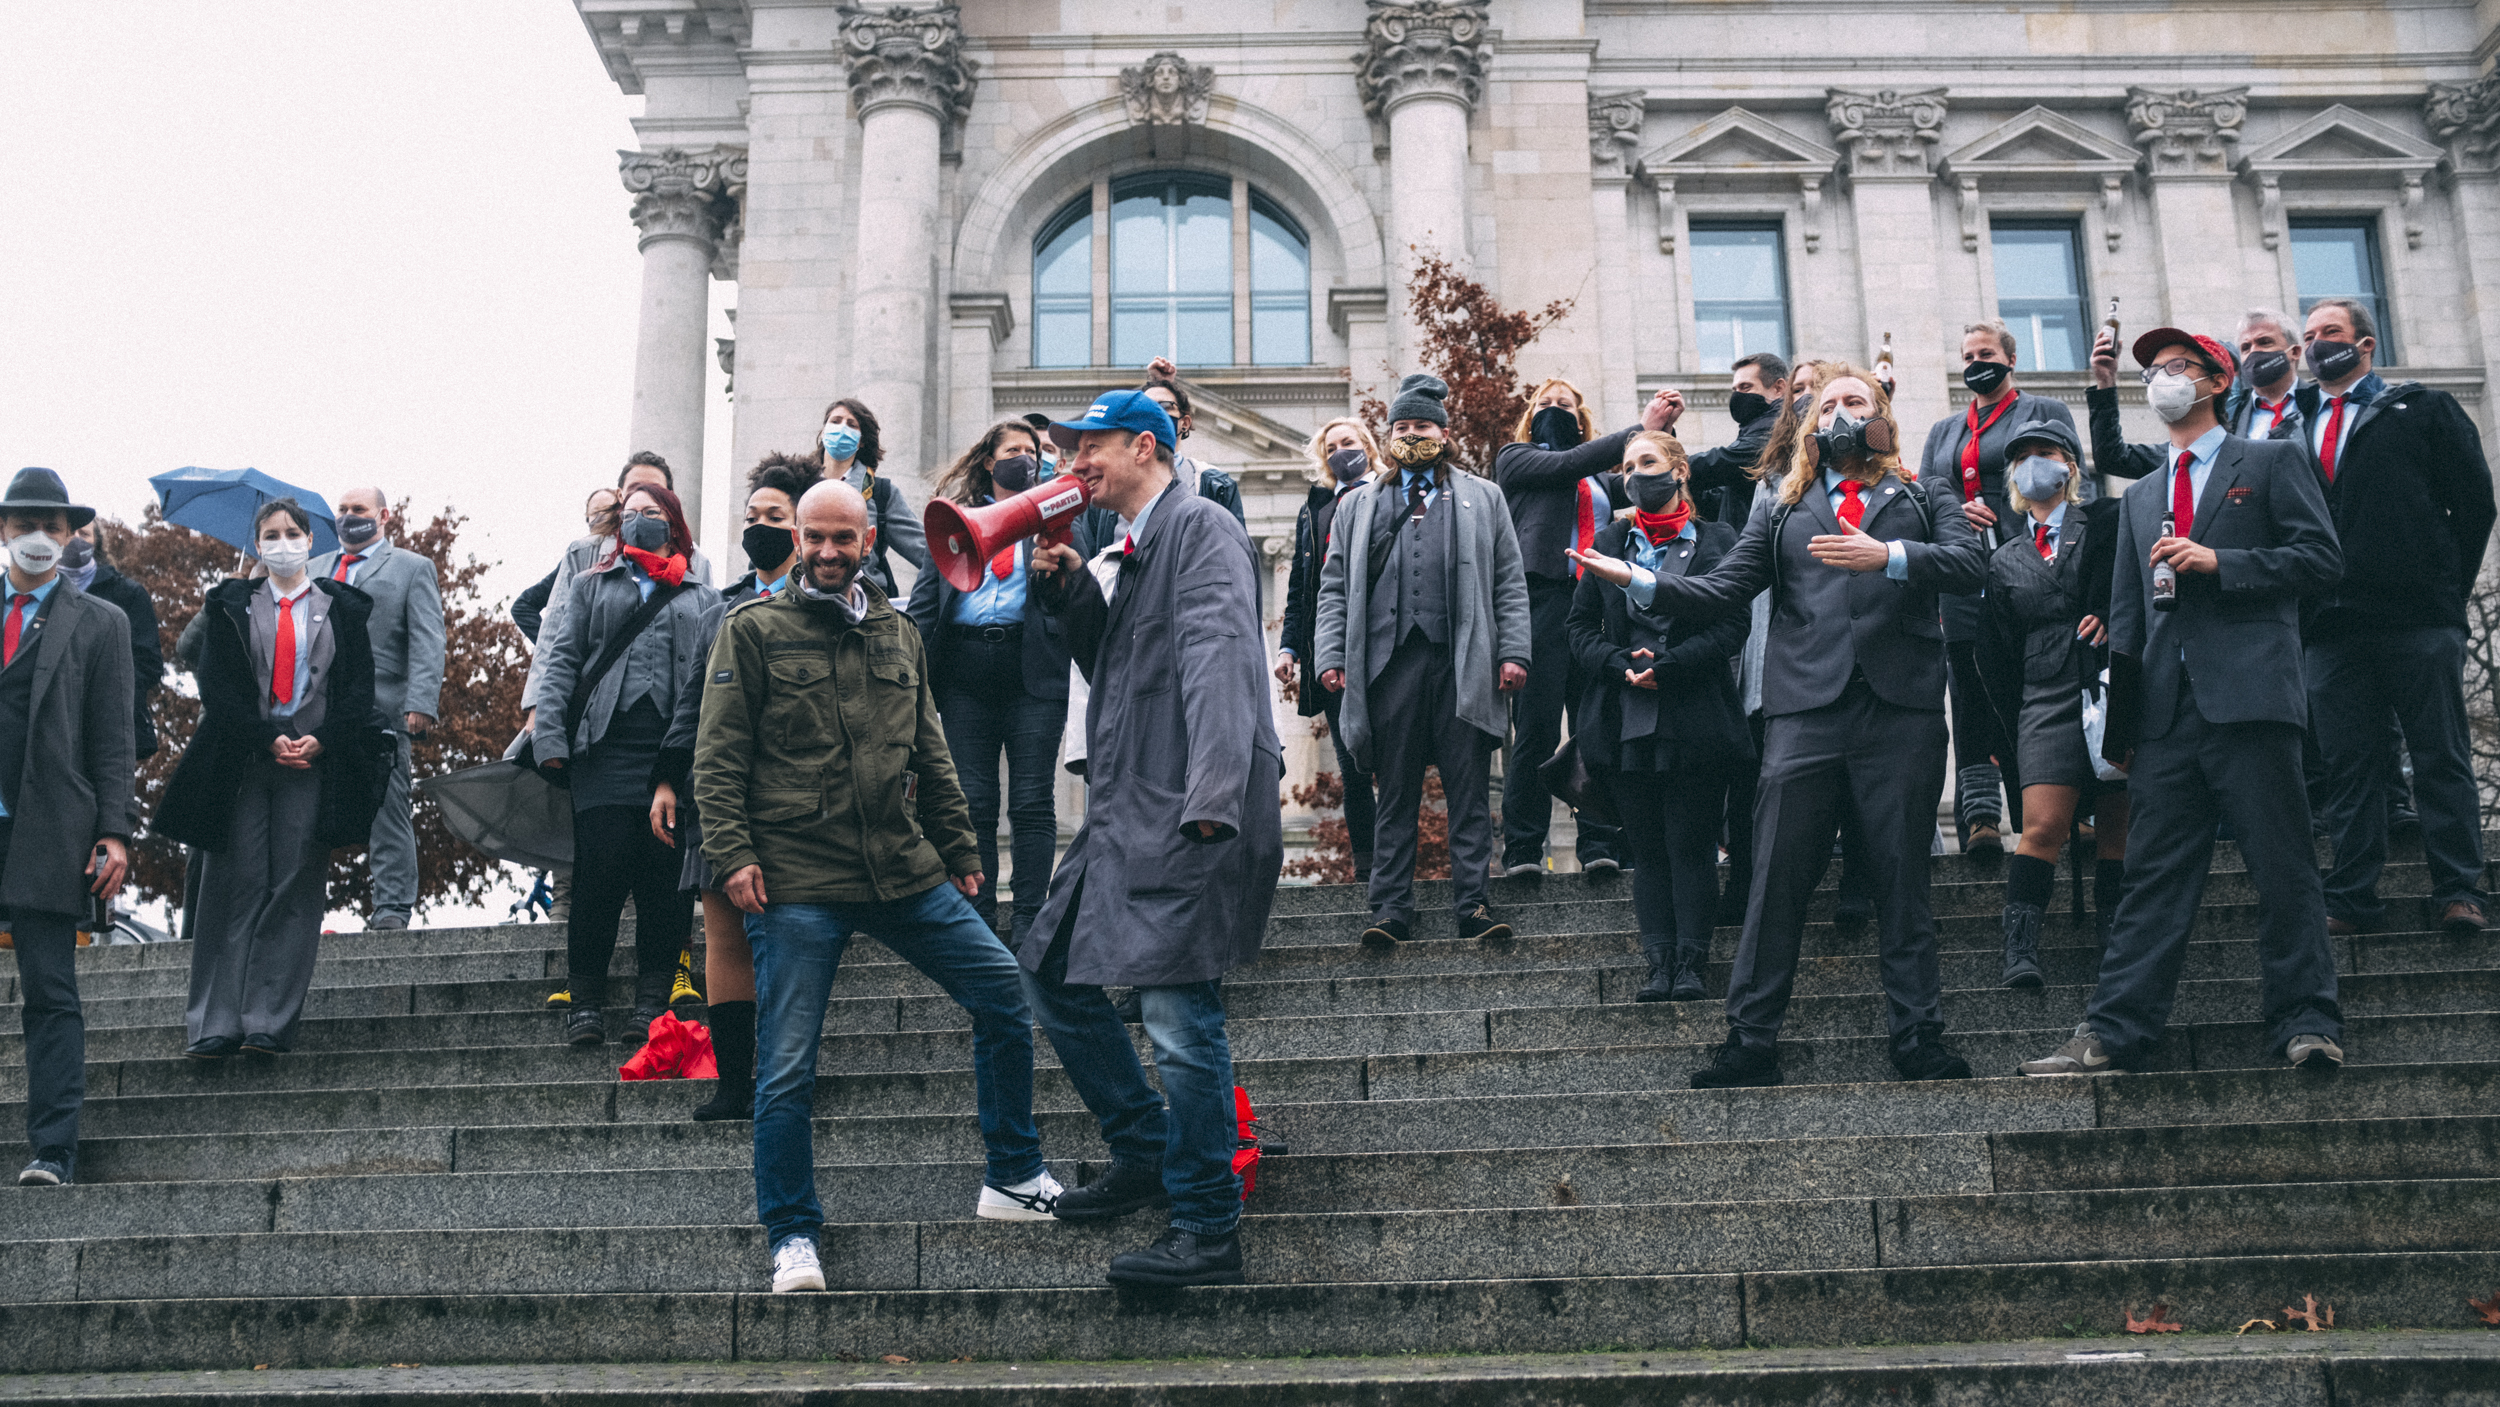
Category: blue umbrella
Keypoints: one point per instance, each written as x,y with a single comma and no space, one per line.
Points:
220,503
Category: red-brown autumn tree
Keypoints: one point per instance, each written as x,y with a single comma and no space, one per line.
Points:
484,662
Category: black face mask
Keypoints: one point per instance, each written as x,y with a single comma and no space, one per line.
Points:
357,530
1744,407
1984,378
2265,368
767,545
1555,427
1653,493
2332,360
1015,473
77,553
645,533
1349,465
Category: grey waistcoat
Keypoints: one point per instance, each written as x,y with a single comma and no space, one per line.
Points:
646,670
1414,589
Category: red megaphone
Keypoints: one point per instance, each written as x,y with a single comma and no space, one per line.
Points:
963,540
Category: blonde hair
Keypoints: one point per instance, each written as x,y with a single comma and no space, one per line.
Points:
1669,447
1579,407
1775,450
2074,479
1317,451
1801,470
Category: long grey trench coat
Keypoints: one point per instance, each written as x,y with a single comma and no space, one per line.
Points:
75,787
1177,731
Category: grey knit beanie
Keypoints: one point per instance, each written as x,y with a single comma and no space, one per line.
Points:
1419,398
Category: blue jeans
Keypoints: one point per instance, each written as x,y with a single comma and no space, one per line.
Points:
982,722
797,949
1186,1024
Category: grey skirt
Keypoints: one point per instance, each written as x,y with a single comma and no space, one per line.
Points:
2049,749
694,873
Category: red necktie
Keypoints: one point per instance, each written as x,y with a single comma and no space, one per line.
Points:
2278,410
1004,562
1970,451
2040,539
2334,436
2183,495
1128,543
282,667
1852,506
346,560
17,624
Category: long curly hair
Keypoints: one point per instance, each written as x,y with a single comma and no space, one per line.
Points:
1792,423
968,479
1801,469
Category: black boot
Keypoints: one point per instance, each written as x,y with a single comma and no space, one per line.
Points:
1690,956
1661,984
1734,1066
651,997
2022,945
1181,1258
1928,1057
733,1045
1124,1187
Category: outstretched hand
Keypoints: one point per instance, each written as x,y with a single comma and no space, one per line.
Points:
1607,569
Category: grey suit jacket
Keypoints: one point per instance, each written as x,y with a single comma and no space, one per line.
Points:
1828,622
2235,635
407,628
76,786
1488,607
600,603
580,556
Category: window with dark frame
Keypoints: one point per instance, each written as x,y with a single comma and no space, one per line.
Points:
2338,257
1740,290
2040,292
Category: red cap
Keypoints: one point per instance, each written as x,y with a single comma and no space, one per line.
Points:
2160,337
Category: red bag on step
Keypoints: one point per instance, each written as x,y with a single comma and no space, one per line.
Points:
676,1049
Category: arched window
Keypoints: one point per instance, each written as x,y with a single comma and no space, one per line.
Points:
1175,264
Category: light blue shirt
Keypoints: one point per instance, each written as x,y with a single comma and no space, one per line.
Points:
998,600
1647,557
26,627
773,587
1135,528
642,579
1409,478
2057,528
2200,467
1896,556
302,610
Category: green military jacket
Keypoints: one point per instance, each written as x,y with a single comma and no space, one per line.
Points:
820,756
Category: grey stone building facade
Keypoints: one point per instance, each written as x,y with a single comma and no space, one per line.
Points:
960,212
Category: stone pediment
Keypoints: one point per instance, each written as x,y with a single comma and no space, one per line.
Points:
2343,142
2038,142
1737,142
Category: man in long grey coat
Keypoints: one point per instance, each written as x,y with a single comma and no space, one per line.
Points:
407,630
1168,882
65,764
1424,627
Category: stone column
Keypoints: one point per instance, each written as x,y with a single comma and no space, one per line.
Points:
1614,130
1888,140
1421,72
686,205
2190,140
2465,117
909,80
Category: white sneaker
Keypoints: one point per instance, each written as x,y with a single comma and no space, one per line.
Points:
2314,1053
795,1267
2082,1055
1026,1201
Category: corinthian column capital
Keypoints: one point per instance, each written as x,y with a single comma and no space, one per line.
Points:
2466,116
1421,48
1887,132
2184,131
685,194
908,54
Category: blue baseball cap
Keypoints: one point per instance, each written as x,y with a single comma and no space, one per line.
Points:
1132,411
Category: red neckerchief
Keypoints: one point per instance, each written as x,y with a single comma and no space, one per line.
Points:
1970,452
1663,528
668,571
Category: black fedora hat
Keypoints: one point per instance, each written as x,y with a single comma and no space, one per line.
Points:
41,491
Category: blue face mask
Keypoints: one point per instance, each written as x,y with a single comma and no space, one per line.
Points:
841,442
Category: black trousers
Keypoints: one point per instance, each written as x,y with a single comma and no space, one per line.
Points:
987,712
54,1022
2361,690
1671,822
1362,810
1415,725
616,857
1890,761
1536,718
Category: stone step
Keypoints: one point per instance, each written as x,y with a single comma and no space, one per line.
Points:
2294,1371
1896,1166
1907,1305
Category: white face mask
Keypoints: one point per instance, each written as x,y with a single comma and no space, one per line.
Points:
286,557
2040,479
34,553
2172,397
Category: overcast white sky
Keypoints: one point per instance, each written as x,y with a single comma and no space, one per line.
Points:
336,240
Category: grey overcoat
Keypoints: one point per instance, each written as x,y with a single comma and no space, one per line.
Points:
1488,607
1177,731
407,629
75,789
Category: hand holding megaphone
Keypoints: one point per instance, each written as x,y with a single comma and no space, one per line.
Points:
963,540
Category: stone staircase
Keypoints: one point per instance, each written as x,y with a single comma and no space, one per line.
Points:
1492,1151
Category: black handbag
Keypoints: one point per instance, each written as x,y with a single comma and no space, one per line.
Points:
1568,776
526,758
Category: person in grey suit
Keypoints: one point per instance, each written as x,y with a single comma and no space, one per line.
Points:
1968,450
1424,627
1853,706
407,632
65,764
1168,883
2212,730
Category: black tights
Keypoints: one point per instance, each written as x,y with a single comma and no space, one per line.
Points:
615,856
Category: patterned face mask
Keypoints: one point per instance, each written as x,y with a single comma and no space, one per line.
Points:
1416,451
